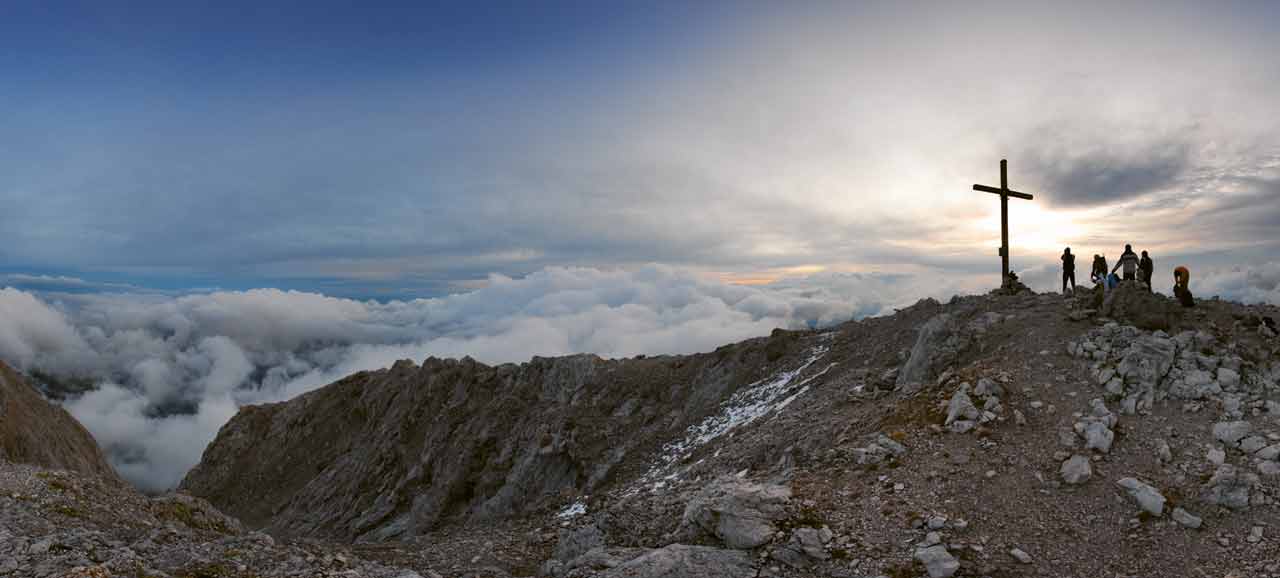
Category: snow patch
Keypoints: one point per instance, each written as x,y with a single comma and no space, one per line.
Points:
573,510
752,402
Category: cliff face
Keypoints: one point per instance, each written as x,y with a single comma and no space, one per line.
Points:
34,431
396,452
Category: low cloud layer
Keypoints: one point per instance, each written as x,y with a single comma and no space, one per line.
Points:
171,370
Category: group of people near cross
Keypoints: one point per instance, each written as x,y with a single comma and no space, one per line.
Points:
1132,267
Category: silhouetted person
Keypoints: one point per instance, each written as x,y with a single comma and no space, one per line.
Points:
1145,269
1068,270
1181,280
1128,260
1099,273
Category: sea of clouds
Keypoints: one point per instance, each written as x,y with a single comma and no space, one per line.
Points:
170,371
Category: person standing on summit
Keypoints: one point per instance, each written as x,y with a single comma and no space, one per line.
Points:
1068,270
1128,260
1145,269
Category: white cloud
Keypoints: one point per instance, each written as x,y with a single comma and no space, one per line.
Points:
171,370
1258,284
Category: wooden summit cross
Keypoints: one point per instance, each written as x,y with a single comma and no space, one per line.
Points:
1004,193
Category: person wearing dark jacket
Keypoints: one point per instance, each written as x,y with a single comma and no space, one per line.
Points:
1128,260
1099,272
1068,269
1145,269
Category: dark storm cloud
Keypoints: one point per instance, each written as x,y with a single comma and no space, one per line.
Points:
1082,178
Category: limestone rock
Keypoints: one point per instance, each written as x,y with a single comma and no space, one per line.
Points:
738,512
1076,470
938,562
1229,487
961,408
1147,497
1231,432
1186,518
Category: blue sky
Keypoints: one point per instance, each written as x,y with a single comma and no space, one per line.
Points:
412,149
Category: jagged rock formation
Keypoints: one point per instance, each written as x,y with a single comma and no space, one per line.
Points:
34,431
396,452
67,524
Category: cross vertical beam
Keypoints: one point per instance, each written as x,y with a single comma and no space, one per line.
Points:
1004,193
1004,220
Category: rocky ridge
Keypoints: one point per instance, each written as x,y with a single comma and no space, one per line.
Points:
35,431
998,435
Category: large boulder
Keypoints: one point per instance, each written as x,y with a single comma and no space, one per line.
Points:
738,512
1132,302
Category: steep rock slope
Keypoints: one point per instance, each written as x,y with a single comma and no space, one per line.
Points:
396,452
997,435
35,431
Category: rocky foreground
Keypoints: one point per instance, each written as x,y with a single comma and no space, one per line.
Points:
997,435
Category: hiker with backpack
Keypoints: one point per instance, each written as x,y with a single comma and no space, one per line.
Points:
1099,273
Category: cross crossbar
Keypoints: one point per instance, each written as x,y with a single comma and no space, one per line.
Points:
1014,194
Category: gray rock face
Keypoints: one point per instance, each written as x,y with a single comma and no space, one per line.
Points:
112,530
1231,432
806,547
938,562
961,408
1229,487
1252,444
398,452
1076,470
576,542
931,341
34,431
1186,518
1147,361
1095,428
1269,470
739,513
681,561
1148,498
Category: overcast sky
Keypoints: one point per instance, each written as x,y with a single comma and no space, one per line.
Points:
412,149
209,204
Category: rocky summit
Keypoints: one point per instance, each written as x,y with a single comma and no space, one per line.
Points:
1010,434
